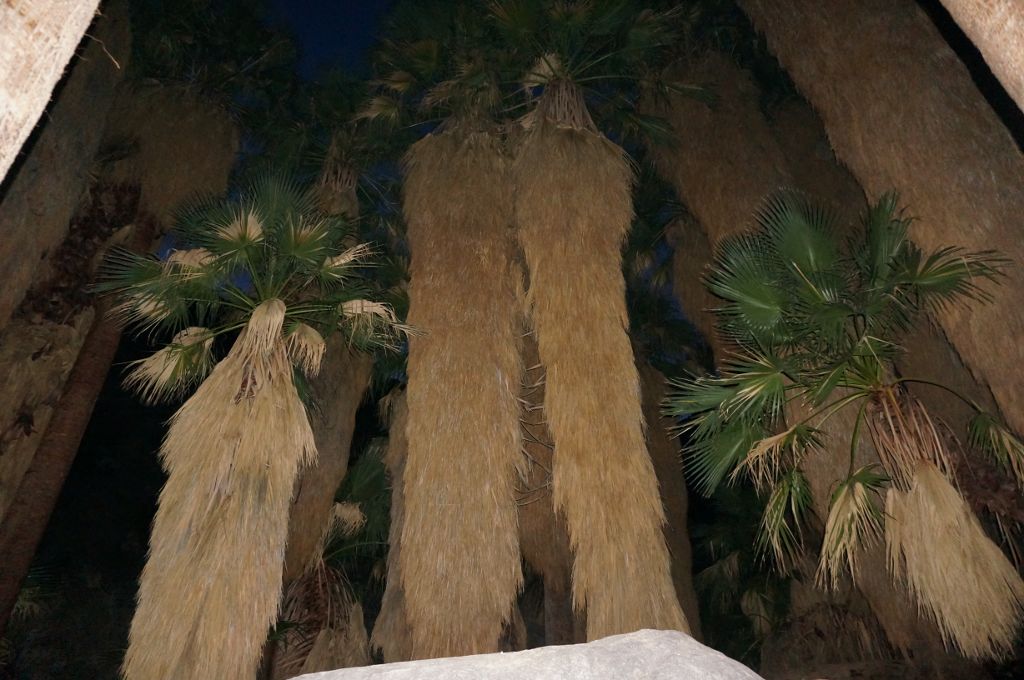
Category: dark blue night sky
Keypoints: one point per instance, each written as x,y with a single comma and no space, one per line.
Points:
332,32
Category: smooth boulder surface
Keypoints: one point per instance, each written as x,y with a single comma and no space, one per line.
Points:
646,654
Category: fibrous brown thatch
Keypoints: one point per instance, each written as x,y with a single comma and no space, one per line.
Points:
959,576
211,586
320,600
543,537
573,209
460,564
391,630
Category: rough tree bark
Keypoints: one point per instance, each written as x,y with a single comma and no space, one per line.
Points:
723,166
40,487
38,38
996,27
902,112
42,191
669,468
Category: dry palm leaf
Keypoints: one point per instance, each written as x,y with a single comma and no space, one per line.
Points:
959,577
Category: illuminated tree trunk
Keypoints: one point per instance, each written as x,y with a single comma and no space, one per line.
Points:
724,164
460,562
391,630
902,112
38,37
996,28
338,391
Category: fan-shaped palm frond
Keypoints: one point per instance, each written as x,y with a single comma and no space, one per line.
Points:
817,324
268,242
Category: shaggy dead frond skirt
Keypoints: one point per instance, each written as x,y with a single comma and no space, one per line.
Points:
573,208
211,586
459,561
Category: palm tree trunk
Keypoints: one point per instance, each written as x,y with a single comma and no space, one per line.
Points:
574,207
460,561
337,392
674,496
996,27
39,38
902,112
725,163
42,482
391,630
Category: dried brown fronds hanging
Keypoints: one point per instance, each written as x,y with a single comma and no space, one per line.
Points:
543,537
171,370
319,600
459,558
854,524
306,347
232,453
904,433
959,577
573,209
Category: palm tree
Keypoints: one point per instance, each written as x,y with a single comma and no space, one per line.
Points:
272,268
573,209
817,326
728,157
463,372
963,158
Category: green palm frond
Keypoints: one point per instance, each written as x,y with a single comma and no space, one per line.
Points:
946,277
760,381
780,535
989,434
854,523
269,242
743,274
885,238
801,233
716,448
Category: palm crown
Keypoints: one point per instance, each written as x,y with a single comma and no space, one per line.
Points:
269,243
817,324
